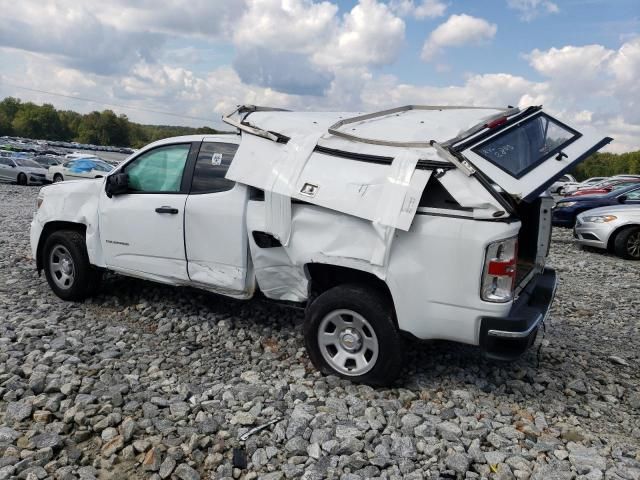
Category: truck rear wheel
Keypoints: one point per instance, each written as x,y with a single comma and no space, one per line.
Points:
67,267
349,331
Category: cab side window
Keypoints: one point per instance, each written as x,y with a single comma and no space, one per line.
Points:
158,170
211,167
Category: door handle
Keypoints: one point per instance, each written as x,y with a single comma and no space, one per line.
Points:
165,209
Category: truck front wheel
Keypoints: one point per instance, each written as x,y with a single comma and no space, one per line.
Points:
349,331
67,267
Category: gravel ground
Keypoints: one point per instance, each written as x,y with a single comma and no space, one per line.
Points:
145,381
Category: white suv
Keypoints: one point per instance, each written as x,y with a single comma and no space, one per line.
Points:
420,221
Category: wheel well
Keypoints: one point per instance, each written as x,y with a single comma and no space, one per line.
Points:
324,276
48,229
615,233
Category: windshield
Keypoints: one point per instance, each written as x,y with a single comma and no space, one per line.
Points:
23,162
520,149
103,166
629,188
623,185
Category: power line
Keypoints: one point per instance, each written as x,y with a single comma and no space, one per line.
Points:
90,100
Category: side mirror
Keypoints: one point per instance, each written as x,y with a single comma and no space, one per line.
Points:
622,199
117,184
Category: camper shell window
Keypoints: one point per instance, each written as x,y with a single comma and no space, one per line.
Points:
526,145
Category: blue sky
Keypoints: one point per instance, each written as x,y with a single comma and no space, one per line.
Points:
199,58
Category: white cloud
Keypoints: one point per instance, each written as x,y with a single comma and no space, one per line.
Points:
370,34
530,9
286,25
419,10
457,31
593,71
299,54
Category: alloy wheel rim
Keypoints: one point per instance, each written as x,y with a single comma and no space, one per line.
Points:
633,245
62,268
348,342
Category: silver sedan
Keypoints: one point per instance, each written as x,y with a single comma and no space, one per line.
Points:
616,229
22,171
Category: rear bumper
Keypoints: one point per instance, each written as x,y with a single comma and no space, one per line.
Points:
37,180
509,337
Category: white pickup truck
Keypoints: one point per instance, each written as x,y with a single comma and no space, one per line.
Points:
430,222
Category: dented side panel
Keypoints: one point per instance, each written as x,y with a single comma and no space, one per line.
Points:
216,240
75,202
318,235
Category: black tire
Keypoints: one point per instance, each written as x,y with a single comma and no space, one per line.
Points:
373,306
58,178
22,179
627,243
69,245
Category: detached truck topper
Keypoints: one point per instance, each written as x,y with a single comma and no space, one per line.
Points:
424,221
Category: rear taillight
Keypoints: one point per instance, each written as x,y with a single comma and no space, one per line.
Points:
499,275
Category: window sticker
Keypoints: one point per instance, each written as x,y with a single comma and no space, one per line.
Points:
216,159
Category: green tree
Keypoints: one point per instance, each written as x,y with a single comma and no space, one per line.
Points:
9,107
41,122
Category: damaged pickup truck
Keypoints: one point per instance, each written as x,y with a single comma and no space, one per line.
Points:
423,221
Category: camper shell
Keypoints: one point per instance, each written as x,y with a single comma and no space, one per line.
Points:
422,221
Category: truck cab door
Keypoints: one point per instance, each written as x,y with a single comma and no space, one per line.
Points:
142,230
215,228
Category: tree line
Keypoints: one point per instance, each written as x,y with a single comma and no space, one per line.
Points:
608,164
44,122
26,119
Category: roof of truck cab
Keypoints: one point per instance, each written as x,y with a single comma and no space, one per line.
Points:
224,137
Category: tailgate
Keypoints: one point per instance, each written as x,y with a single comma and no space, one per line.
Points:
526,154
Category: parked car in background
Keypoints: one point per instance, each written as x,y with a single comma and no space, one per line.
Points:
615,228
559,184
607,186
570,188
78,155
49,160
23,171
567,209
78,168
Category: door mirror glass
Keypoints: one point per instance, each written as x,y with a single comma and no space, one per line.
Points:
622,199
117,184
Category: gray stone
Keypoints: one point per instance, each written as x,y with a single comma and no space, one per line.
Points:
259,458
585,459
403,447
127,429
449,431
297,446
8,435
18,411
166,468
458,462
185,472
46,440
179,409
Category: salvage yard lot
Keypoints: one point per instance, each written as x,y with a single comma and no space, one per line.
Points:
147,380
